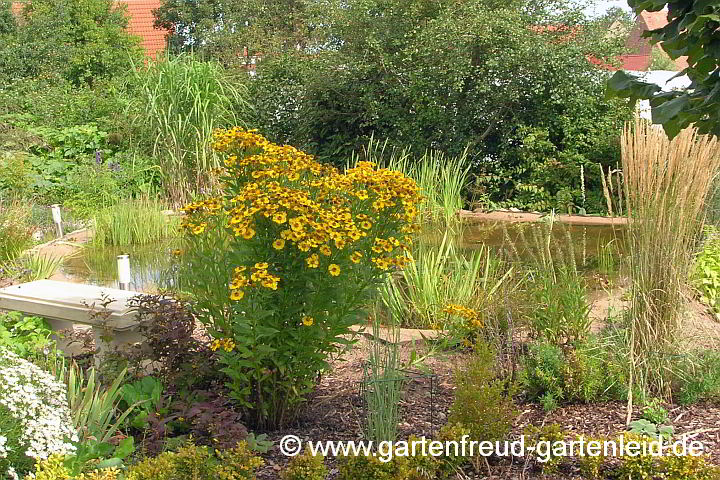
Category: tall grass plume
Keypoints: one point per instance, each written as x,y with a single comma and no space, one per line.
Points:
667,185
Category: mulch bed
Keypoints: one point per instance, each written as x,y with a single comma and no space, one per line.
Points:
336,412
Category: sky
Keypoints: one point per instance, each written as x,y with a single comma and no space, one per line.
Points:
601,7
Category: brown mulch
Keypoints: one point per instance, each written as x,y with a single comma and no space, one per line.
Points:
335,412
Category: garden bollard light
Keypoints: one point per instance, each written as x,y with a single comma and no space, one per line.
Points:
123,265
57,218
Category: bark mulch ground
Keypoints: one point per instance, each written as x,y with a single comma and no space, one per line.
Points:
335,412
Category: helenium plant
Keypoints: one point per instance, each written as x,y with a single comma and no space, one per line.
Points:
283,260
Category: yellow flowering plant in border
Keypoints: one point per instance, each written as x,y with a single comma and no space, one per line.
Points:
283,261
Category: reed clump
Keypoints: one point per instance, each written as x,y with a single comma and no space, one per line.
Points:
133,222
667,185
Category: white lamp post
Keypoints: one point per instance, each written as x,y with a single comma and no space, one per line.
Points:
57,218
124,277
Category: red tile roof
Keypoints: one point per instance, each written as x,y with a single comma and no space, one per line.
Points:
636,62
140,23
653,21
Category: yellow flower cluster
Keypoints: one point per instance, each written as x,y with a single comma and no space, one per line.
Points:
259,276
225,343
468,314
310,207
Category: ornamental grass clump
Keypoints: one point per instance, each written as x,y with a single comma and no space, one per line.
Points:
667,185
34,416
282,263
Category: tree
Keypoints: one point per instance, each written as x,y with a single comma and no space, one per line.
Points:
7,22
223,29
81,40
511,79
692,30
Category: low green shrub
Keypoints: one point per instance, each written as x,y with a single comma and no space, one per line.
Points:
591,465
192,462
549,435
483,398
705,275
584,373
449,465
305,467
701,379
371,468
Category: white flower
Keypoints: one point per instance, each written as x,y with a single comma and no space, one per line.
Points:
39,404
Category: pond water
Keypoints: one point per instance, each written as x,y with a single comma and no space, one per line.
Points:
98,266
587,239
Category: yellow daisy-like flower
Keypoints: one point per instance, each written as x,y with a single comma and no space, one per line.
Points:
313,261
325,250
198,229
356,257
366,225
248,233
334,269
177,251
308,321
279,217
261,266
237,295
279,244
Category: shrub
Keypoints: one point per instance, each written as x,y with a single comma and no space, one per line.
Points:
701,379
182,361
549,435
483,399
450,464
371,468
687,467
34,413
638,467
590,465
585,373
191,462
282,263
306,467
706,270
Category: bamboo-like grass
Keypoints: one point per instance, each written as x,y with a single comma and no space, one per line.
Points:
132,222
182,101
667,185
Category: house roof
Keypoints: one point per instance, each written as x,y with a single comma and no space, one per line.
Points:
140,23
655,20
